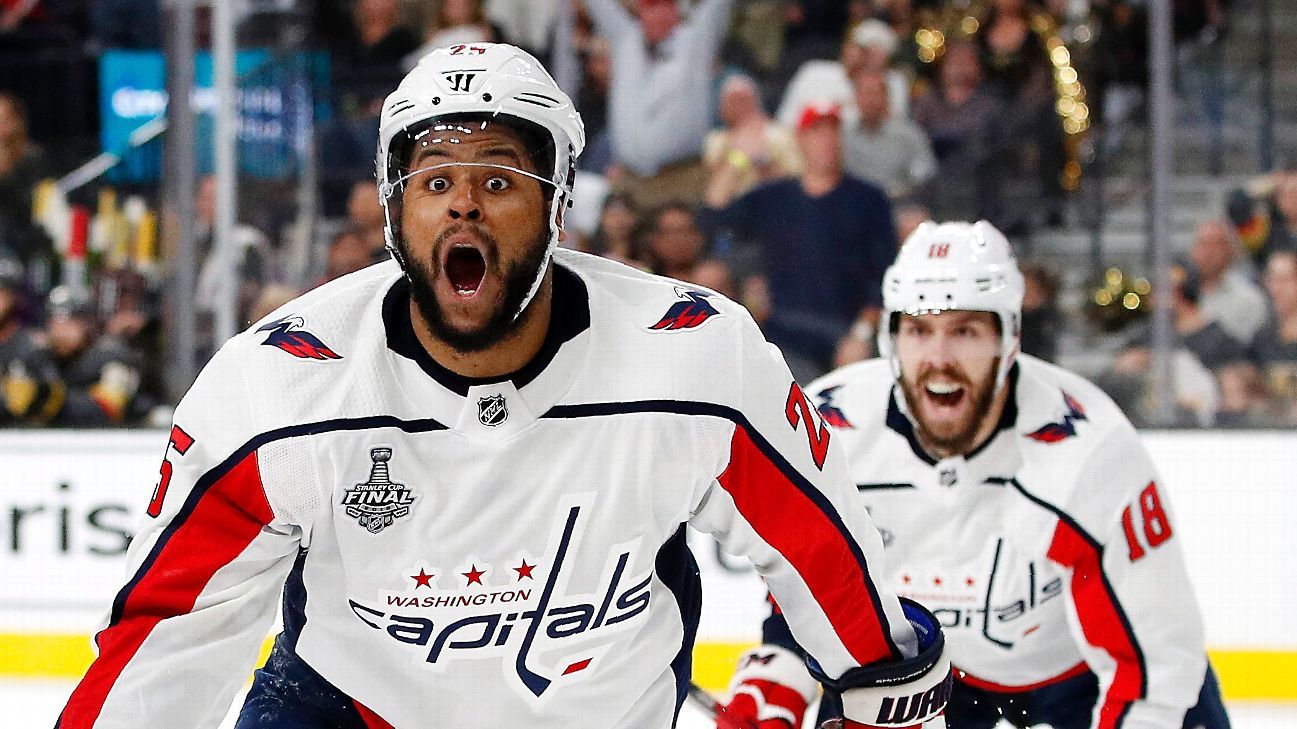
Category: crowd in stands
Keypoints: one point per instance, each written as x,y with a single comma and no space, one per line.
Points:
776,151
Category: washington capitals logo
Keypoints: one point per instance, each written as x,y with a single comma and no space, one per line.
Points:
288,335
829,410
1054,432
547,632
687,314
378,503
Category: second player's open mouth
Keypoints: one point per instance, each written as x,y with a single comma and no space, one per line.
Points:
465,268
944,394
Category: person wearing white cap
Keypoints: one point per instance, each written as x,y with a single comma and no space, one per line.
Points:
869,47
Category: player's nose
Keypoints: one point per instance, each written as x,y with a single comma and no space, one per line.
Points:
940,350
463,206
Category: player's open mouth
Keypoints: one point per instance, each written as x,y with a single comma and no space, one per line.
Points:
944,394
465,269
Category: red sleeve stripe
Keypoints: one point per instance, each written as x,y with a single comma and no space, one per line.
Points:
372,720
797,521
223,521
1102,620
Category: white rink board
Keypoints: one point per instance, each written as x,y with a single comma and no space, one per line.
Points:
67,498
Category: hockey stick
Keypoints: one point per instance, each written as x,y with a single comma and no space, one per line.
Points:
704,700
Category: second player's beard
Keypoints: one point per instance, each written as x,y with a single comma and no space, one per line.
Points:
960,439
517,278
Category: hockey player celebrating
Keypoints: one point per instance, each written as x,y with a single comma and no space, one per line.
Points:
469,470
1016,501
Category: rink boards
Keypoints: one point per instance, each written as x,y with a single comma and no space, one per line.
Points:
69,500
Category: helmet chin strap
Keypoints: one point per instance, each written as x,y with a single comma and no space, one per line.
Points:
387,189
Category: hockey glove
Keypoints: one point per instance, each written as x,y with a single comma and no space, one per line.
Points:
770,690
898,695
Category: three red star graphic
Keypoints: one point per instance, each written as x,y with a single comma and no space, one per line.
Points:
423,579
525,570
474,575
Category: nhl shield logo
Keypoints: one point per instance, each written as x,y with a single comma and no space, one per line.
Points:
378,503
492,410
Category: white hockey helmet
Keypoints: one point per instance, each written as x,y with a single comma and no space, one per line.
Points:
493,81
954,266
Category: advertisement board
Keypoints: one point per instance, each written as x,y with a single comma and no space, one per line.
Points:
280,99
69,500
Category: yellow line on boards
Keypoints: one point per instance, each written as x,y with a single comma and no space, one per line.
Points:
1244,674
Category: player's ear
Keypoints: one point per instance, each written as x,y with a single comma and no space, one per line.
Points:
558,221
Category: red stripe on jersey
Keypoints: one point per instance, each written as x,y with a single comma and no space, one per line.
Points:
791,523
372,720
228,516
967,678
1102,620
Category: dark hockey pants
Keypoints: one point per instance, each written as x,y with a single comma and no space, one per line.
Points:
1064,705
288,694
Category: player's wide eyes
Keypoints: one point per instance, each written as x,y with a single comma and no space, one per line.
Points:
438,184
496,183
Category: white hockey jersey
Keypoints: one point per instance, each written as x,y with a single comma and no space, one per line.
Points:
483,553
1048,551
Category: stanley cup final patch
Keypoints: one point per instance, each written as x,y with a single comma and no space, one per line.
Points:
379,502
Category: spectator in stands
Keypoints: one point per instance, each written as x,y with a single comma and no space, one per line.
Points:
252,261
660,106
908,217
365,217
812,29
452,22
1019,72
1199,27
889,151
126,23
1041,321
1283,219
1228,296
1245,401
1274,349
1120,68
29,385
367,55
614,238
22,165
961,118
1205,337
1198,344
823,241
528,24
750,148
100,373
1015,60
870,46
272,297
677,246
348,253
592,100
38,24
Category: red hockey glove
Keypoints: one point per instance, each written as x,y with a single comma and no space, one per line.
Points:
898,695
770,690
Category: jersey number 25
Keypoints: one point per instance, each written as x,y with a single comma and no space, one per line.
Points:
799,411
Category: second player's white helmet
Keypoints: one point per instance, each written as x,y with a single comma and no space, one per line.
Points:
954,266
490,82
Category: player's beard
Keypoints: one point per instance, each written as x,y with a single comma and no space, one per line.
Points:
517,278
956,438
